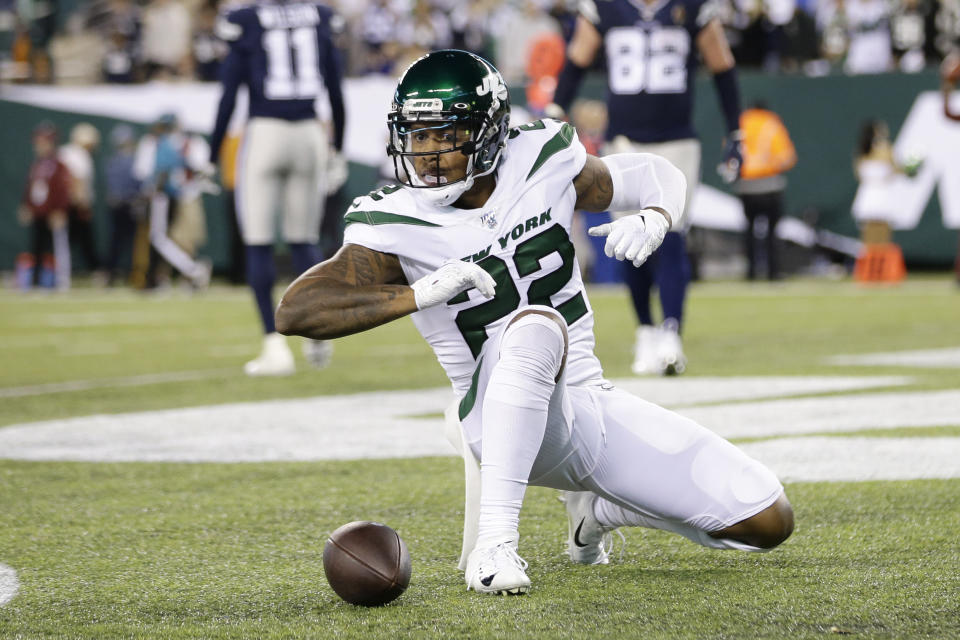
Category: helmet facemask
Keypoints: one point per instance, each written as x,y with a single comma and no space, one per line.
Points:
423,124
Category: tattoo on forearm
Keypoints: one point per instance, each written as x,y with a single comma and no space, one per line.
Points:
355,290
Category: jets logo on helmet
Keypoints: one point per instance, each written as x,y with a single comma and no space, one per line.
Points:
456,95
493,83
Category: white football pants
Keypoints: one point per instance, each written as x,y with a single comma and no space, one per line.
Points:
281,167
634,454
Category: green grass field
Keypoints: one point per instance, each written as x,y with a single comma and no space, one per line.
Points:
161,550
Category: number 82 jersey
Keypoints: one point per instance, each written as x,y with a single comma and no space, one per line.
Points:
651,64
521,236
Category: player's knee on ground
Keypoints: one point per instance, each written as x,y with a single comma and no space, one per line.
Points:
532,353
764,530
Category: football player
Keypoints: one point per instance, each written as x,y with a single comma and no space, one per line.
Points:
284,53
651,50
475,243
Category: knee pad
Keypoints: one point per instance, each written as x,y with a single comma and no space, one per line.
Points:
531,356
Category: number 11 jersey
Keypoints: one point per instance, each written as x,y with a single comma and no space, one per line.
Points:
284,53
521,236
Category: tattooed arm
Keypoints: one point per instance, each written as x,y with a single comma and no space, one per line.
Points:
355,290
594,186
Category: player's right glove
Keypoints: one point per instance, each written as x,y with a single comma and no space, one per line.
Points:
453,277
634,237
732,158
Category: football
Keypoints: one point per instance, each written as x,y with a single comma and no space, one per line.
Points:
366,563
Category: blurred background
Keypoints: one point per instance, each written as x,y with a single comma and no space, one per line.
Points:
846,77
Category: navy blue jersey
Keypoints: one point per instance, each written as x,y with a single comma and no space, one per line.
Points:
284,53
651,64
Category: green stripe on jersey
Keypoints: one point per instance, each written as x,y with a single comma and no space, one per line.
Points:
383,217
557,143
466,405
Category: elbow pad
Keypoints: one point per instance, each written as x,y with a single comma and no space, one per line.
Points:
644,180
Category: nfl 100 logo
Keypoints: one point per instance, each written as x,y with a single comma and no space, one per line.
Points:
489,219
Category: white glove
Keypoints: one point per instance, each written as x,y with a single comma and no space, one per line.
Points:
451,278
337,171
633,237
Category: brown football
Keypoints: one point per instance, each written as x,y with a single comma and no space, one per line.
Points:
366,563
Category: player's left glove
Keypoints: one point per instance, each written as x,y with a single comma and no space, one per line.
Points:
634,237
732,159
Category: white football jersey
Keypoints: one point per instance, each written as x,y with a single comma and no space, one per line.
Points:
521,236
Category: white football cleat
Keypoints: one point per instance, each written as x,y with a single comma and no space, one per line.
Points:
497,570
646,351
586,538
670,349
318,353
275,359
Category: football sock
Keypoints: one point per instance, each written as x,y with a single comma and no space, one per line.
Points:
613,515
261,273
303,256
640,280
514,422
673,275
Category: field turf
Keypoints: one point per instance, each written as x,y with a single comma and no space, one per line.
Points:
138,550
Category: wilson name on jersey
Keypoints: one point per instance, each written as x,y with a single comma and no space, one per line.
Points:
521,236
282,52
651,64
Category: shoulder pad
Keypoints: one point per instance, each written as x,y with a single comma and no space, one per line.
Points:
541,141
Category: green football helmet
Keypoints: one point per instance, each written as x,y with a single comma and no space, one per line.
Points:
464,97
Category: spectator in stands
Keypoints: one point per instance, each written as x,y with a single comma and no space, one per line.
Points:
870,49
41,16
8,31
768,153
119,59
166,39
378,26
46,197
908,29
208,50
516,29
123,202
125,17
77,155
428,29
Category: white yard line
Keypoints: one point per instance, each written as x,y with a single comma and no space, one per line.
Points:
836,459
686,391
8,584
841,413
932,358
378,425
127,381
